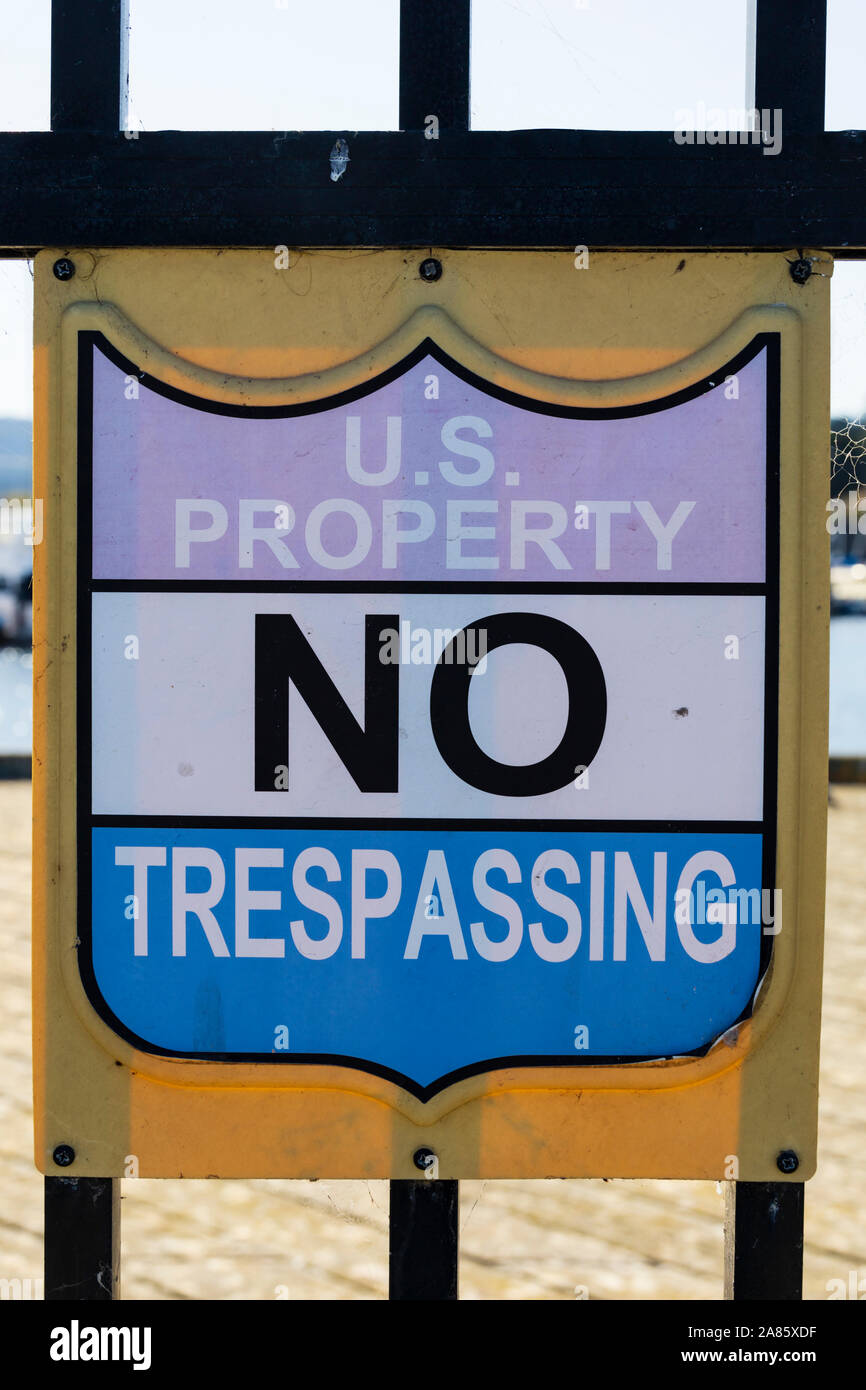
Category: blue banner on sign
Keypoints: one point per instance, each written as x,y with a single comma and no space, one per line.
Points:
421,954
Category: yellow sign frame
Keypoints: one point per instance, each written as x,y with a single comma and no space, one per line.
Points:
628,327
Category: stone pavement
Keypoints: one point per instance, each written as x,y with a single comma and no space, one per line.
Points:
519,1240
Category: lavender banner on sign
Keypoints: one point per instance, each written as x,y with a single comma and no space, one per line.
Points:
428,475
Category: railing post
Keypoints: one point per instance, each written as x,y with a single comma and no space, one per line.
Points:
89,79
434,64
82,1239
423,1243
790,58
764,1241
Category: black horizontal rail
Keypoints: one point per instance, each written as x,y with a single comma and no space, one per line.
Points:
89,183
497,189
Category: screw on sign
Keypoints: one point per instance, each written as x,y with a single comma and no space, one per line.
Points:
427,1161
801,269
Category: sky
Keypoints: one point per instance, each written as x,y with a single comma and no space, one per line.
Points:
286,64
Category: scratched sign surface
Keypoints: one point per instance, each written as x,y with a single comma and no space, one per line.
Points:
429,723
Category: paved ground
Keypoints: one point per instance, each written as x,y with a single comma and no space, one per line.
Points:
520,1240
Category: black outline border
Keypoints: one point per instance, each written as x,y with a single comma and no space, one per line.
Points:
88,340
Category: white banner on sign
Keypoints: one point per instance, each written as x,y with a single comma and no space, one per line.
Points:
682,734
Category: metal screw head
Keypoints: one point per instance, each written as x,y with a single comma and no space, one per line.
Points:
787,1161
64,269
801,269
63,1155
422,1158
430,269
